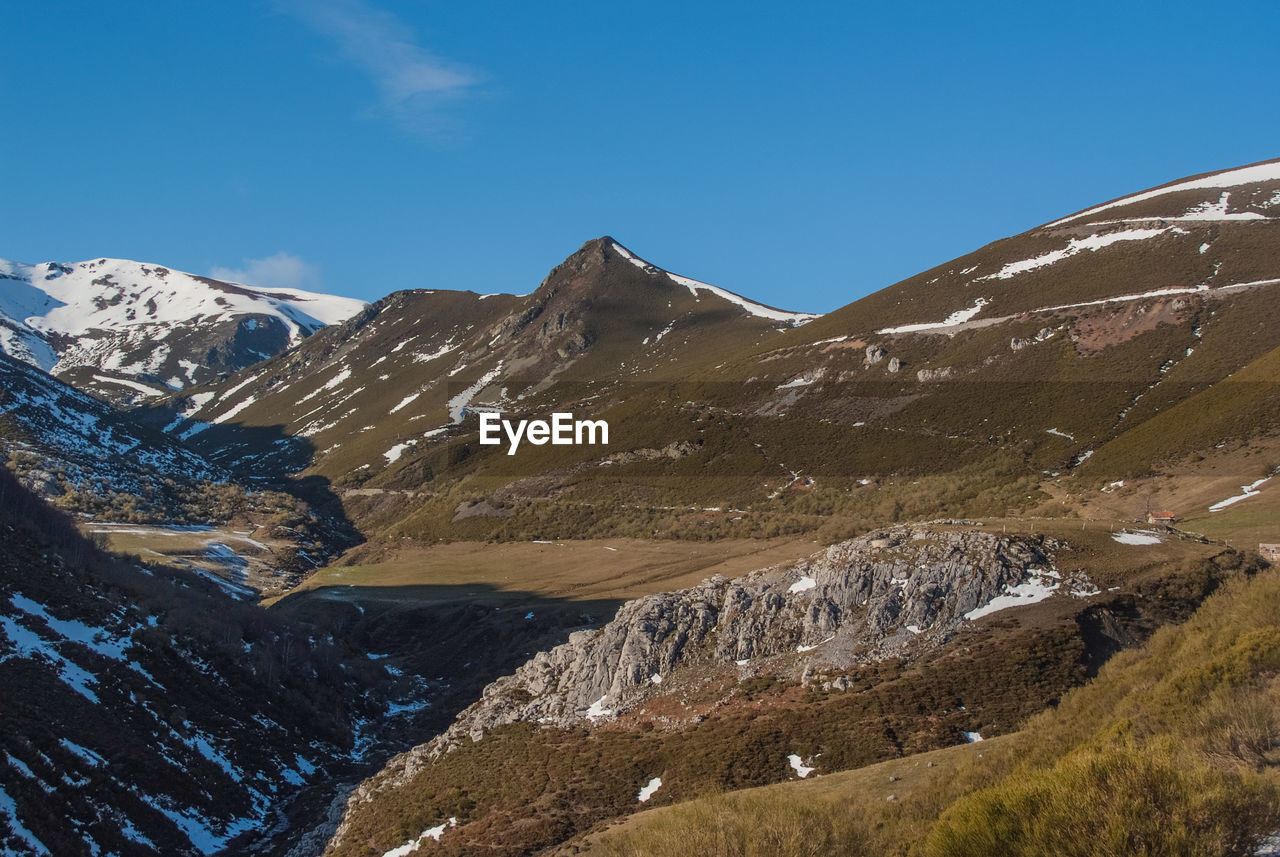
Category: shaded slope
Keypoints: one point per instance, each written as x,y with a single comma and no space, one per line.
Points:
148,712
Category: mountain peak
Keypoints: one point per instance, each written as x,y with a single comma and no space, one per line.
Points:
121,328
700,289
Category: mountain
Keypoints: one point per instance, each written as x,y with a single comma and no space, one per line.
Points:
1129,343
947,485
1110,362
65,443
371,397
128,331
156,715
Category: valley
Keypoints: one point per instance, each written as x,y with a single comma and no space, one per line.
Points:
947,563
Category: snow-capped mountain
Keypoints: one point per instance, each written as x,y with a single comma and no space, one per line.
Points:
128,331
1202,235
388,386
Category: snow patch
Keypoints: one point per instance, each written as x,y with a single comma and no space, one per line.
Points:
803,585
433,833
133,385
798,765
1250,490
1076,245
597,709
647,791
393,454
405,401
1034,590
956,318
459,403
1136,538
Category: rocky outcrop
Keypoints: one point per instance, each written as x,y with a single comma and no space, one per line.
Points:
873,597
673,450
860,600
924,376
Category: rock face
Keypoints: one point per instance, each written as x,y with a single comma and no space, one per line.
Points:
860,600
857,601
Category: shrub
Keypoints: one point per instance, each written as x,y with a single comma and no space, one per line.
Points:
1104,801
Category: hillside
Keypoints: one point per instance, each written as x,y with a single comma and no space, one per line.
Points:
1027,376
156,714
1170,751
128,331
376,399
75,448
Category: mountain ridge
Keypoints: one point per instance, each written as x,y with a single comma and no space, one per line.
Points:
126,330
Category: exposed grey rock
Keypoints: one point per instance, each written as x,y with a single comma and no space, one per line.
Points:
675,449
478,509
875,353
941,374
855,602
895,365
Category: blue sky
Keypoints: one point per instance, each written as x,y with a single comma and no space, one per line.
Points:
802,154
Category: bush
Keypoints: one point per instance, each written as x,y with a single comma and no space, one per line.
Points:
1117,801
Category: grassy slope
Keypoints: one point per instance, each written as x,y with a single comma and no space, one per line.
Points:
1170,750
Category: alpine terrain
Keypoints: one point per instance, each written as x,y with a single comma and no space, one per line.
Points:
981,563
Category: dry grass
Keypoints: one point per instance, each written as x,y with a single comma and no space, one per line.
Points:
572,570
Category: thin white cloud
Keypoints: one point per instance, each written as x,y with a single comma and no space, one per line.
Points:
281,271
411,81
